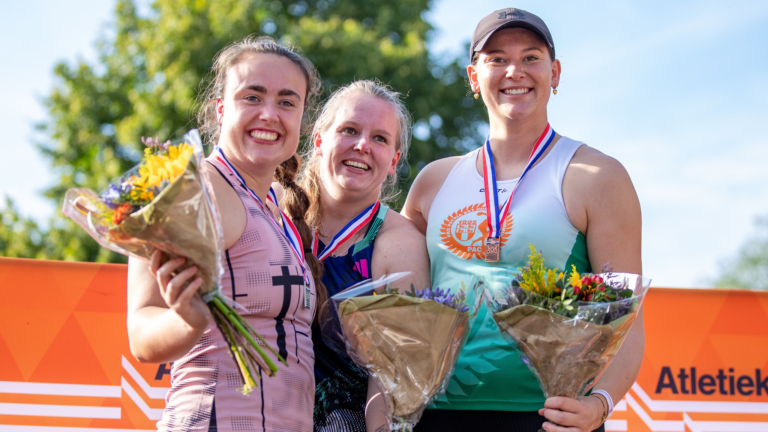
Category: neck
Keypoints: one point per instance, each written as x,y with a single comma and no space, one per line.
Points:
338,211
258,182
512,140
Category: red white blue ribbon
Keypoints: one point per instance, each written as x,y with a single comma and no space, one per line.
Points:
496,215
353,226
288,229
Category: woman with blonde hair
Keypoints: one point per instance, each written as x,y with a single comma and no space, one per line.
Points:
252,112
359,140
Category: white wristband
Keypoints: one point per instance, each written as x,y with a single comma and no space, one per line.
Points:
607,397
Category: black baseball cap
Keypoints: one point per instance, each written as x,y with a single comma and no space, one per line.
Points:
506,18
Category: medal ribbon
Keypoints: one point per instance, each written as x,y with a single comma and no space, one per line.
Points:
347,232
495,215
288,229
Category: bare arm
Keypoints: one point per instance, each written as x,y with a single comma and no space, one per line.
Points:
602,203
399,247
165,317
423,191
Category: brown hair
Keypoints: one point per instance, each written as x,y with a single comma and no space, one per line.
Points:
295,201
309,177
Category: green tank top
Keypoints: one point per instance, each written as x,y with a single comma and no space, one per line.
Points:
489,374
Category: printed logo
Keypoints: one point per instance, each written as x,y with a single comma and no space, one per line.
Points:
464,231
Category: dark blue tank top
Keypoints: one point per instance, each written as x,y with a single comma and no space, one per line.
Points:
341,386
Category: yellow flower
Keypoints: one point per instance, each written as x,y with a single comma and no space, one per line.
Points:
158,167
575,277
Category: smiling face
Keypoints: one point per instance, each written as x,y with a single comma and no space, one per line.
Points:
260,112
359,148
515,74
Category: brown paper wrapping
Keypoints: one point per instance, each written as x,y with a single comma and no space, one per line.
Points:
179,222
408,344
566,355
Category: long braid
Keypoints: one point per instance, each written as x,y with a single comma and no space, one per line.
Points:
296,203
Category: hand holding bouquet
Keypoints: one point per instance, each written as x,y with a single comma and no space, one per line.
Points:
164,204
568,326
408,342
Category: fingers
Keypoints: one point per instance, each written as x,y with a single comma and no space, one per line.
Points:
569,415
180,284
164,273
189,292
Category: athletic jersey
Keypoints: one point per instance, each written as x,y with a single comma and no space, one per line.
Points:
489,374
342,386
263,275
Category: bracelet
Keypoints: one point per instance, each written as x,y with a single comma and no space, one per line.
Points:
605,408
607,397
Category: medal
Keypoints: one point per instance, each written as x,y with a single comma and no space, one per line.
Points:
492,249
288,229
347,232
496,215
307,297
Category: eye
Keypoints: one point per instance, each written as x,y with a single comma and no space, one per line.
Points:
531,58
496,60
252,98
287,103
348,130
380,139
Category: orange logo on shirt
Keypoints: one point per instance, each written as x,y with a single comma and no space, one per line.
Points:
464,232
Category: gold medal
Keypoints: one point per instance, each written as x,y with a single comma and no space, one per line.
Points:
492,249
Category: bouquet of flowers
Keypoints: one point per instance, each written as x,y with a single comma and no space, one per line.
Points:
568,326
408,342
163,203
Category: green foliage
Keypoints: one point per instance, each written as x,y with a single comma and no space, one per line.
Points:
749,269
150,69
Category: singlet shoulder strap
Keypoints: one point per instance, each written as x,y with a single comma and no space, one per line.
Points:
222,174
372,231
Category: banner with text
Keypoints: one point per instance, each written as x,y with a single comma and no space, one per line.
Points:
65,365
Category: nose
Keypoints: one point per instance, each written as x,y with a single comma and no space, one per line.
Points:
268,113
515,71
363,145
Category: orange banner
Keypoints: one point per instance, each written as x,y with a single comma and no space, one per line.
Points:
65,365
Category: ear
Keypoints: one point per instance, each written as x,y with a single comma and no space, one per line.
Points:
219,110
472,74
393,166
318,141
556,73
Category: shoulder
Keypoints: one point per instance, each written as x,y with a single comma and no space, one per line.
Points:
400,247
425,188
434,174
230,209
591,169
397,226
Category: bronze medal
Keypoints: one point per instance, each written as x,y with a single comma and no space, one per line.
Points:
492,249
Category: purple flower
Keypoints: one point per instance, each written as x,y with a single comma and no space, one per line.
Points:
111,196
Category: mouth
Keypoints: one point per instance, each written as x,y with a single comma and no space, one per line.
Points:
356,165
263,135
516,91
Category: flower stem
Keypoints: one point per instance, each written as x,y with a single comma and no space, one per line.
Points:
232,317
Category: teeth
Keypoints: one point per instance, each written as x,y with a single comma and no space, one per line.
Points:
516,91
356,165
264,136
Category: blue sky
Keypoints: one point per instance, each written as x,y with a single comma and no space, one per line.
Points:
676,91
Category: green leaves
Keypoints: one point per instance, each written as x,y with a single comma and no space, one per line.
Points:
150,70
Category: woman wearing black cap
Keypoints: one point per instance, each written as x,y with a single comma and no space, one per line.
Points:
575,204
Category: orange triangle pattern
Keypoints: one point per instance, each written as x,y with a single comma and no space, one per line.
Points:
8,369
70,359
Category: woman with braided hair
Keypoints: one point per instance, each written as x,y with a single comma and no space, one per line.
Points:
360,138
252,113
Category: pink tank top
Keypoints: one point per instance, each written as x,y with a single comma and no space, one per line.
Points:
261,274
